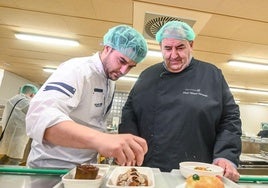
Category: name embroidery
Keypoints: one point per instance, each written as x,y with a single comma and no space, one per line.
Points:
194,92
98,104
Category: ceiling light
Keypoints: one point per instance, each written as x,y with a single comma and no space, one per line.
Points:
262,103
46,39
49,69
249,65
132,78
154,53
250,91
237,101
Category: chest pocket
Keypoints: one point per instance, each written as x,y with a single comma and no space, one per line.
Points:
98,98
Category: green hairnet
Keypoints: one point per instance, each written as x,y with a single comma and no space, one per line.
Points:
128,41
265,126
29,88
176,30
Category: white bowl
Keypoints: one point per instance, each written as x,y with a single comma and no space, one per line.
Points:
112,180
189,168
69,181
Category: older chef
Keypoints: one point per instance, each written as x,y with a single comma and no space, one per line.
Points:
183,108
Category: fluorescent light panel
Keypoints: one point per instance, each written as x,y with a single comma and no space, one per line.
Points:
250,91
262,103
249,65
237,101
131,78
46,39
49,69
154,53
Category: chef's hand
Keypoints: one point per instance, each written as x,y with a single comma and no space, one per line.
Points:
127,149
230,171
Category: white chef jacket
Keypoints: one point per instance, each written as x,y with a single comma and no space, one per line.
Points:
79,90
15,139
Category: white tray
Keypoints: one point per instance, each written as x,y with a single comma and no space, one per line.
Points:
68,181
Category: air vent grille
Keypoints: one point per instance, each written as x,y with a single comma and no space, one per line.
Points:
153,22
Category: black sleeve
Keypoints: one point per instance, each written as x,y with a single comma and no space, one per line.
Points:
228,140
128,121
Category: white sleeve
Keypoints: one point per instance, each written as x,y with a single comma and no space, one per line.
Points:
55,100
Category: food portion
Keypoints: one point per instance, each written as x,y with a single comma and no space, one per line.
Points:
196,181
132,178
202,168
86,171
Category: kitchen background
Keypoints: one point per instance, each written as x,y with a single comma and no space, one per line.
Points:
252,115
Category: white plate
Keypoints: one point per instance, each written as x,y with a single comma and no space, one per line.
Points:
181,180
123,169
69,181
188,169
227,184
181,185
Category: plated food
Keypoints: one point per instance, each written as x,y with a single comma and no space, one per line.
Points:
196,181
202,169
85,176
131,177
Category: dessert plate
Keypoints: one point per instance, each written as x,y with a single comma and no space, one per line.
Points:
69,181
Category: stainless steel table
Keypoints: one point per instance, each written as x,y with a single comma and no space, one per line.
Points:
28,181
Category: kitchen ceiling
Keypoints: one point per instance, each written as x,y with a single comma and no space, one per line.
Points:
226,29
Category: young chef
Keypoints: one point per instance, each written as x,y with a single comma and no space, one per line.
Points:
66,119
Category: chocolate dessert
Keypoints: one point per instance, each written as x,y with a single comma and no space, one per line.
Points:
86,171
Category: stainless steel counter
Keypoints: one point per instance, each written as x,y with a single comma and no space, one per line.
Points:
162,180
28,181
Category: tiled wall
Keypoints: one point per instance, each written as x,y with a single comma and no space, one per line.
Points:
115,116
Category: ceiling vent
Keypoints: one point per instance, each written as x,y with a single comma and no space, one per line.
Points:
153,22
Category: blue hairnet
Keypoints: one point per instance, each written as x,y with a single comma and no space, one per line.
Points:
176,30
128,41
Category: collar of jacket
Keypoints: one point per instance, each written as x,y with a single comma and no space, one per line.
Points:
167,73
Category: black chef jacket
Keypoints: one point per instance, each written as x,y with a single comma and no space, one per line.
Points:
186,116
